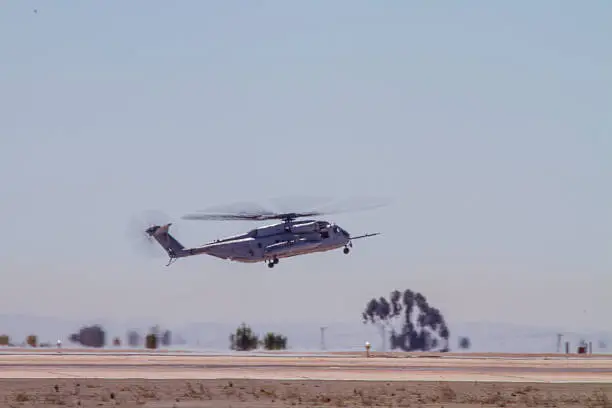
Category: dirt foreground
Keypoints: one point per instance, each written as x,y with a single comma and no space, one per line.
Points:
270,393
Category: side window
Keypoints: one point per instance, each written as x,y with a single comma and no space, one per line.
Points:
324,234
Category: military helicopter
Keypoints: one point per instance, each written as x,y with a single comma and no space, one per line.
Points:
290,237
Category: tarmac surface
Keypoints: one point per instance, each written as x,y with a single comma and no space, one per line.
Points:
340,367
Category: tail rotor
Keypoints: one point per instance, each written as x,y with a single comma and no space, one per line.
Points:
141,230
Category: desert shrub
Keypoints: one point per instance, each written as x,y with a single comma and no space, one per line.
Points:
243,339
32,340
464,343
151,341
274,341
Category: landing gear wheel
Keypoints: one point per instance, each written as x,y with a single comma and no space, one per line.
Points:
346,250
271,264
275,260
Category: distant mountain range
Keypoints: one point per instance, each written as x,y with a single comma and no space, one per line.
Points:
485,337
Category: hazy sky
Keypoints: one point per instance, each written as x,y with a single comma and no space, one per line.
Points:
488,123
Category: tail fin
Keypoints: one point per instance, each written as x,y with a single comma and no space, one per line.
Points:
167,241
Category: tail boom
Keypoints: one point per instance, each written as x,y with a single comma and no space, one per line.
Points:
173,248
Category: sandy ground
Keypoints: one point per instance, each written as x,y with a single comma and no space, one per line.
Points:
64,380
278,393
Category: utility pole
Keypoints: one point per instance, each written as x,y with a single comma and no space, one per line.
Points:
559,342
323,337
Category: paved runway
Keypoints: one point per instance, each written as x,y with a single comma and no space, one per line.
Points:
185,366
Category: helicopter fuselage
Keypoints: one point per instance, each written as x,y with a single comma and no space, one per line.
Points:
280,240
264,244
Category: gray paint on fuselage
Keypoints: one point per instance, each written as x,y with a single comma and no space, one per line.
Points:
251,247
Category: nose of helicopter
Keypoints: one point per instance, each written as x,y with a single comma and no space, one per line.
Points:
344,232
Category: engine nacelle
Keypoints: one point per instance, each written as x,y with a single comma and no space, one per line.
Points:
305,228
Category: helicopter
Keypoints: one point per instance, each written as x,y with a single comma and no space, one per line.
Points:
289,237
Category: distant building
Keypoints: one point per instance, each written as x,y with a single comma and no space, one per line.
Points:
133,338
166,338
92,336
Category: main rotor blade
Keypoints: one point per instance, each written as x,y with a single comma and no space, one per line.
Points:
353,204
231,212
246,217
239,208
297,203
242,212
224,217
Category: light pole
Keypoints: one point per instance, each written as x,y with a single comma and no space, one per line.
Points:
323,337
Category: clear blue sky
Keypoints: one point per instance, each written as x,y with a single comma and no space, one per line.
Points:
489,123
